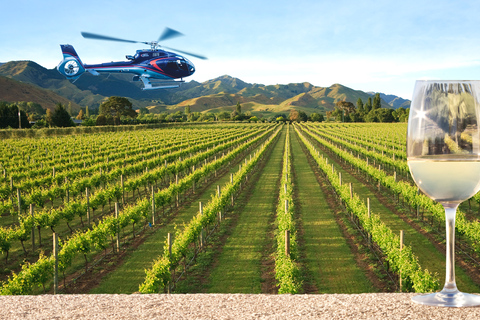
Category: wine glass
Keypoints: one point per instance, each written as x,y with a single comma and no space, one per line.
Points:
443,154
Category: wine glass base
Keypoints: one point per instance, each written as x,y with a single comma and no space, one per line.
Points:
448,299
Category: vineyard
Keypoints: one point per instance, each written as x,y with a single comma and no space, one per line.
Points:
225,208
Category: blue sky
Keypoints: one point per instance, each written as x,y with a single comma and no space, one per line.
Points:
369,45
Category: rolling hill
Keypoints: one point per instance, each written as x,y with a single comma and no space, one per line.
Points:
219,94
14,91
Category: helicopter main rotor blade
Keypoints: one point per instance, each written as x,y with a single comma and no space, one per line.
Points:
188,53
100,37
169,33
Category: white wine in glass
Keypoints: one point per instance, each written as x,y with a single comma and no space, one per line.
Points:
443,154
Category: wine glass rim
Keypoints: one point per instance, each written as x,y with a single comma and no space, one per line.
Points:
447,81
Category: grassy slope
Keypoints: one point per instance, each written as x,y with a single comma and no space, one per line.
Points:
239,265
429,257
328,256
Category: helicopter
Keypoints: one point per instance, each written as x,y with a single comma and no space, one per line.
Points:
156,68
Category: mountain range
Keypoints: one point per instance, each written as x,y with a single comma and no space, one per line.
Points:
29,81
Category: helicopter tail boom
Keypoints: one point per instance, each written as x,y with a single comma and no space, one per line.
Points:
71,66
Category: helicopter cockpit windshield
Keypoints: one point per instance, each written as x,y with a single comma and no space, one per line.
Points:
179,64
191,67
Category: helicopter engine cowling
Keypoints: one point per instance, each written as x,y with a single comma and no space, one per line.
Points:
71,66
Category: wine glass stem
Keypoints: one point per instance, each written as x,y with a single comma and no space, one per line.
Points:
450,212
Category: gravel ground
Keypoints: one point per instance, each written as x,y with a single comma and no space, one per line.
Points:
225,306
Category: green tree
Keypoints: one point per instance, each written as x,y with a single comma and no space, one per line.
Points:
176,117
338,114
194,116
9,116
101,120
117,106
89,122
238,108
368,105
401,114
302,116
236,116
356,117
187,110
69,108
316,117
32,109
60,117
377,103
223,116
48,116
207,116
144,110
360,106
380,115
87,114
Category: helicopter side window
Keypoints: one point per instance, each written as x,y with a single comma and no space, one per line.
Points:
172,65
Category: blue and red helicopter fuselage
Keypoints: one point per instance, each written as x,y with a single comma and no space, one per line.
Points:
146,65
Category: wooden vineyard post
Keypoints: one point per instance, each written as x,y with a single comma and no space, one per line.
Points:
33,226
220,213
351,197
401,248
285,188
193,187
123,189
286,206
418,206
369,216
169,243
231,181
380,169
287,243
19,201
55,269
200,207
117,231
205,175
87,195
240,169
176,182
153,205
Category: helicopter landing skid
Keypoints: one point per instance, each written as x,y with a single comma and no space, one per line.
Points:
160,84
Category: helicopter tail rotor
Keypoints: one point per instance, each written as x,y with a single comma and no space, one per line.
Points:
71,66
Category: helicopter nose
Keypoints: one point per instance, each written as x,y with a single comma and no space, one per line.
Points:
191,67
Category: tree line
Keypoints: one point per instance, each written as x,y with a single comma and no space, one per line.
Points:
119,110
18,116
370,111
